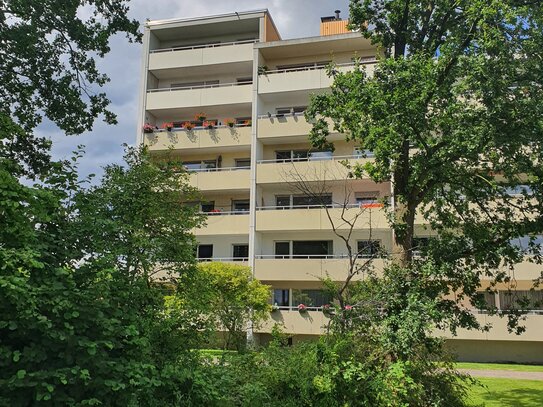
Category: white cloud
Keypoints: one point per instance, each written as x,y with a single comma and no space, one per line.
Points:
295,18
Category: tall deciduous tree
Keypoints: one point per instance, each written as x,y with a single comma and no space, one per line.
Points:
453,113
48,69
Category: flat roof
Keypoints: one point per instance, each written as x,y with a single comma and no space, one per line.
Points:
313,45
209,19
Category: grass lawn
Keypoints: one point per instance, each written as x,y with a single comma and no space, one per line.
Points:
499,366
507,393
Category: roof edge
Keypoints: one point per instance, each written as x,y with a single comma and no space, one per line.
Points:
257,13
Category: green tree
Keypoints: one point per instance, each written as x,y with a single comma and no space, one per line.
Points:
81,321
48,69
232,299
452,113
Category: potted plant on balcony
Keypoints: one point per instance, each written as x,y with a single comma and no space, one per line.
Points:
247,123
148,128
274,308
188,126
230,122
168,126
209,124
302,308
200,117
328,310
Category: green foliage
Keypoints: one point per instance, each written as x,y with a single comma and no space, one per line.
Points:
331,372
48,68
81,321
231,297
452,113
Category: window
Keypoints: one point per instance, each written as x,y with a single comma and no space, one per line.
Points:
310,298
320,155
318,200
292,155
241,206
240,251
300,155
283,155
243,163
207,206
200,165
519,190
312,248
489,299
368,199
281,297
205,251
282,250
369,248
282,201
521,299
529,244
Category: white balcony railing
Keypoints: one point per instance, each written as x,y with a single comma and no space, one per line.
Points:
223,259
315,67
312,159
219,212
210,86
217,169
330,206
200,46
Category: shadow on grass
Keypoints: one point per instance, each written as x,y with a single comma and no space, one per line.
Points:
512,393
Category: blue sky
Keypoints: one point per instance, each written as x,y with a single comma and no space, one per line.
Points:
103,145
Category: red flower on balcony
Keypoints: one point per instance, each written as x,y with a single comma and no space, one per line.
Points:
188,126
200,117
229,122
209,124
167,126
302,308
148,128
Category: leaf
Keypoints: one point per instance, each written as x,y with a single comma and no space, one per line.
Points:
16,356
21,374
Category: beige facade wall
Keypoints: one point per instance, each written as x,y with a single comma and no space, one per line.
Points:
198,139
201,57
497,351
260,228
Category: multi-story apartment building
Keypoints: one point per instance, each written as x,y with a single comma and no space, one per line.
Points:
225,95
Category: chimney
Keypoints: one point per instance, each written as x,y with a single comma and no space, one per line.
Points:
334,24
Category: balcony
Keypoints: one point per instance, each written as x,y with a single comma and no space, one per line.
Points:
292,321
307,268
221,179
306,169
275,126
199,96
241,260
201,55
225,223
498,332
179,139
314,217
300,79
